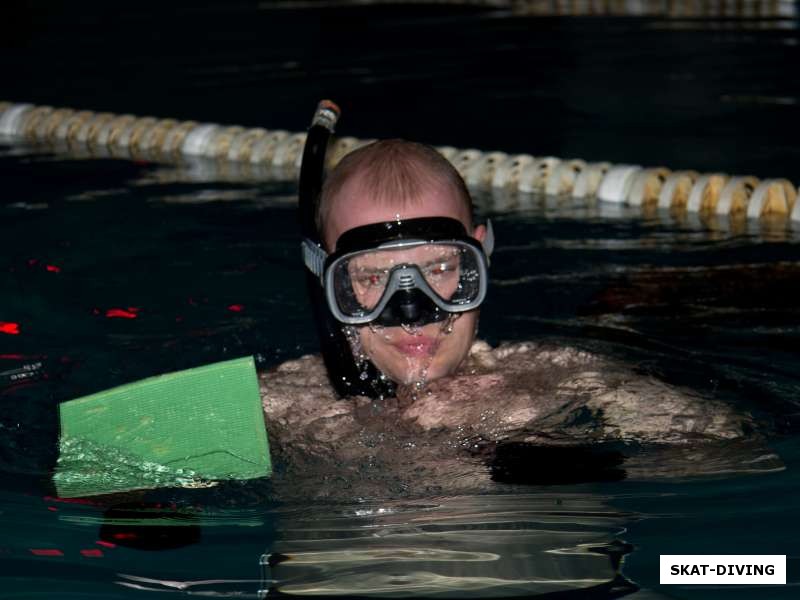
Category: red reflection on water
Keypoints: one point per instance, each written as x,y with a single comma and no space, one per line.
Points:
92,553
9,328
71,500
236,307
105,544
112,313
46,552
53,269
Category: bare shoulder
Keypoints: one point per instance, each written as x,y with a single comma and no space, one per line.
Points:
304,377
301,406
556,392
632,406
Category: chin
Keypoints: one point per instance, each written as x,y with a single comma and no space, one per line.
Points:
446,367
410,371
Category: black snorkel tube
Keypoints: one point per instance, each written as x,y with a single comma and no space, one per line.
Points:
348,377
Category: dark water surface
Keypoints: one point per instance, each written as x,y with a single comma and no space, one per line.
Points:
112,271
708,93
206,271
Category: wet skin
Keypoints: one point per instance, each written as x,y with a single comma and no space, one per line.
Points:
441,439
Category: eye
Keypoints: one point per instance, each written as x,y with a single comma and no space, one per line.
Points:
440,268
371,279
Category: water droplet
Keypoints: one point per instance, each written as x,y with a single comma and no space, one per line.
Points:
411,329
447,324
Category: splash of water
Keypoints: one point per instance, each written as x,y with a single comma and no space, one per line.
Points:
419,384
351,334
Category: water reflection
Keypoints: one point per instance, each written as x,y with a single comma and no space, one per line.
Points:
465,546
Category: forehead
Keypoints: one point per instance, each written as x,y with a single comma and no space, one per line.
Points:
353,207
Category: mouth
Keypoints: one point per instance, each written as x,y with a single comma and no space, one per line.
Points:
416,346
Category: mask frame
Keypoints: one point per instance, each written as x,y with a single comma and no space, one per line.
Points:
403,278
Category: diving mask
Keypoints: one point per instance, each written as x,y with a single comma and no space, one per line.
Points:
402,272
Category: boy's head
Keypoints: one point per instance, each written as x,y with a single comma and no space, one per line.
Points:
396,180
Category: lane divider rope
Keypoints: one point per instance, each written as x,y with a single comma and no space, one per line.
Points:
677,9
168,140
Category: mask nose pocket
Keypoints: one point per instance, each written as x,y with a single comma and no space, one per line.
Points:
410,307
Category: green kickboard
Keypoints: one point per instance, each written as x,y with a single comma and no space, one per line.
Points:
180,429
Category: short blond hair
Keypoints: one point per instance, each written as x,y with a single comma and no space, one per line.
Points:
392,171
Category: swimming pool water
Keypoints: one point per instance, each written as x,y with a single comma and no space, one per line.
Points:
144,271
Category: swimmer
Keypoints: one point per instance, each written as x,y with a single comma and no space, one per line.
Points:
400,270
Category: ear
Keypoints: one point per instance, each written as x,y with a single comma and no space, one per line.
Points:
479,233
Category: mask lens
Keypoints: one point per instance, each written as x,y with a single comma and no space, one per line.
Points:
368,274
452,272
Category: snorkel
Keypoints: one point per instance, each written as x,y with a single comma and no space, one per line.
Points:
348,377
